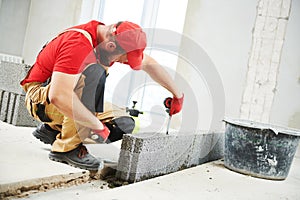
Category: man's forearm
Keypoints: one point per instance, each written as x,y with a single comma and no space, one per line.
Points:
77,111
160,75
62,95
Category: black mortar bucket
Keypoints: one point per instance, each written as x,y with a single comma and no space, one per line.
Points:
258,149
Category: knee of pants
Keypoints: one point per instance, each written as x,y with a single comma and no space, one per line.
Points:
92,93
118,127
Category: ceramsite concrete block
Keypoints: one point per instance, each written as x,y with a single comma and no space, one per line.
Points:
13,110
21,116
10,76
12,96
147,155
4,105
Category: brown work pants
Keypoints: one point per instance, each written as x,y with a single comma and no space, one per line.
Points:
71,133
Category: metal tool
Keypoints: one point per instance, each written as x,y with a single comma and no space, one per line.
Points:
133,112
167,104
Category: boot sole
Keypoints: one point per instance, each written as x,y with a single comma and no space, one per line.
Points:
65,160
41,136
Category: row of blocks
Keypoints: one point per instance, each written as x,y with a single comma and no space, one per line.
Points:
13,110
148,155
12,96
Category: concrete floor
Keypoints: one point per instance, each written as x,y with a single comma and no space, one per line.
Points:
208,181
23,158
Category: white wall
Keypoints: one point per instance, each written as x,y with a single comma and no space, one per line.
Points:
223,29
46,19
13,22
286,106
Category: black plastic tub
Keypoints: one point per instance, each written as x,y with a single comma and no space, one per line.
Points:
258,149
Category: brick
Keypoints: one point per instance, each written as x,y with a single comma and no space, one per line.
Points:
13,110
274,8
10,76
277,49
256,45
12,102
148,155
281,29
265,27
259,26
285,9
21,116
272,77
262,8
4,105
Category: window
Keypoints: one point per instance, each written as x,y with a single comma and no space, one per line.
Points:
123,84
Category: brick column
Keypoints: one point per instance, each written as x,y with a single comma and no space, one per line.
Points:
264,61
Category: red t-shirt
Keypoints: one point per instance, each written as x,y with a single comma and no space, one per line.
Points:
69,53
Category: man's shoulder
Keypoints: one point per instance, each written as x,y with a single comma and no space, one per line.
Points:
89,25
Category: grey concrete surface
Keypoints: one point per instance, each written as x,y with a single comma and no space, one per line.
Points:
208,181
13,110
25,164
148,155
10,76
12,96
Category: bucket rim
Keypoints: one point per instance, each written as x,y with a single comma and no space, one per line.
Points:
260,125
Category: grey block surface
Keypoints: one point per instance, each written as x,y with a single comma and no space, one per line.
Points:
10,76
148,155
12,96
4,105
13,110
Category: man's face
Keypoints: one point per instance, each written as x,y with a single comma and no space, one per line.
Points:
106,58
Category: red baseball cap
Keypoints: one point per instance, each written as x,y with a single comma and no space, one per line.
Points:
133,40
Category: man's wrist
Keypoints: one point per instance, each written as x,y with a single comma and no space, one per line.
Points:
178,95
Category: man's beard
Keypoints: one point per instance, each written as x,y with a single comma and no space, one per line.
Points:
104,57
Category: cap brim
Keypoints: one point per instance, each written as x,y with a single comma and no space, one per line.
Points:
135,59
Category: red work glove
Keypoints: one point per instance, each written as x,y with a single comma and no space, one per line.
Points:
174,104
100,136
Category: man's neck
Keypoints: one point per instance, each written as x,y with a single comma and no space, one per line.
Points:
101,32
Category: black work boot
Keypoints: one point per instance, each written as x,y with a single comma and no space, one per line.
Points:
45,134
78,157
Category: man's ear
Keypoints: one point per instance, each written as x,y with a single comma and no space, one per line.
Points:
110,46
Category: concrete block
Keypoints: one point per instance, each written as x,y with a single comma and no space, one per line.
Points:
147,155
10,76
4,105
11,107
21,116
13,110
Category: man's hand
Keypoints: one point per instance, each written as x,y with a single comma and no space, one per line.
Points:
174,104
100,135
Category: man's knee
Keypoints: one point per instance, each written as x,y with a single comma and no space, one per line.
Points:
120,126
93,87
